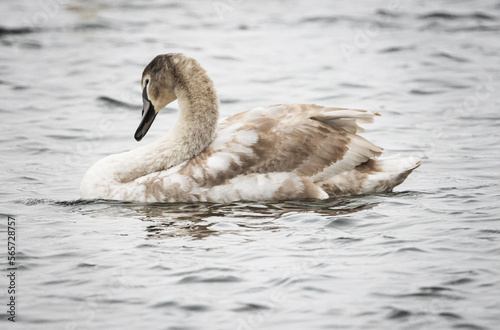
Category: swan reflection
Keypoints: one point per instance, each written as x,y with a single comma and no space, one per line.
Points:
200,220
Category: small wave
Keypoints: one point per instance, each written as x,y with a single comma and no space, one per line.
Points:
195,308
63,137
229,101
490,231
111,102
85,265
468,326
91,26
321,19
153,5
451,57
272,80
250,307
351,85
19,30
453,16
459,281
387,13
395,49
449,315
215,279
331,19
425,92
226,58
434,288
24,43
424,292
410,249
164,304
397,313
479,28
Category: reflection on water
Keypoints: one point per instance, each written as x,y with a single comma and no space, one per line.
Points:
196,220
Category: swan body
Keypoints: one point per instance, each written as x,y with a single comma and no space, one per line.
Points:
279,152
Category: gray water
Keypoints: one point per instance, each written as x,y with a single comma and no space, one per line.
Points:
426,256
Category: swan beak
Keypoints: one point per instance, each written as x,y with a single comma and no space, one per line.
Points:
148,116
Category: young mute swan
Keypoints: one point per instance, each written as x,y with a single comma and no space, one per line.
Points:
279,152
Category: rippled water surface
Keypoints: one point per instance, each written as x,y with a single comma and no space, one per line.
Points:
424,257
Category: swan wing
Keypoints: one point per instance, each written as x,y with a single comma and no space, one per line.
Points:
308,140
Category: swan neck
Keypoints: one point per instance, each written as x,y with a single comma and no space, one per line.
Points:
198,116
194,129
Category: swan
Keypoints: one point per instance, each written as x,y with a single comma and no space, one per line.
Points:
278,152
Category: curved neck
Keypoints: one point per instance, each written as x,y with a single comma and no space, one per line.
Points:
196,125
193,131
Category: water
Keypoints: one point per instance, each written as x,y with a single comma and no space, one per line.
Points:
424,257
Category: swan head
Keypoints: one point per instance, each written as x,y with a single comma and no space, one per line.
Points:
158,83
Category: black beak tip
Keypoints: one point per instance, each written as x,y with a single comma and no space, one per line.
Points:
138,136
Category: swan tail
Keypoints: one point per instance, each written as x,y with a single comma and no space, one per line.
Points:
372,176
346,119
